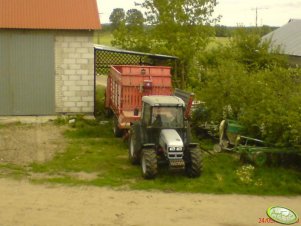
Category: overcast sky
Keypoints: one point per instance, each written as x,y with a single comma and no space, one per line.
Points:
233,12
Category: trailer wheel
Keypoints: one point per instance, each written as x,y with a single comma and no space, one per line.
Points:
133,149
117,131
194,163
149,164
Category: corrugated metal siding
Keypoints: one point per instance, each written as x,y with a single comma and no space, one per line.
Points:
49,14
30,85
5,87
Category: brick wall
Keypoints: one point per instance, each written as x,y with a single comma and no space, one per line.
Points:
74,68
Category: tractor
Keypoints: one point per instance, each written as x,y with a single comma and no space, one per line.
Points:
162,136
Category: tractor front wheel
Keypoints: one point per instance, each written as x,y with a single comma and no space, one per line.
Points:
194,163
149,163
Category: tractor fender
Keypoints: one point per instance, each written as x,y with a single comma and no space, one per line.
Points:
192,145
150,145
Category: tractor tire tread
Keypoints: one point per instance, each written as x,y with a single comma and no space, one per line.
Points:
194,167
150,158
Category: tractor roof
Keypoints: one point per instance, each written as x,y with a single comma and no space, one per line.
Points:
167,101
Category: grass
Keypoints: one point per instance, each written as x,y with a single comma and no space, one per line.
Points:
94,150
103,38
217,41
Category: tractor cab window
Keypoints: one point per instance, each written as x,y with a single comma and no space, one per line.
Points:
167,117
146,114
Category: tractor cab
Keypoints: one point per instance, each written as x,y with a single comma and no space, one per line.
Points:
163,112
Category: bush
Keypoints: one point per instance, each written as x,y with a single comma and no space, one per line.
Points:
245,82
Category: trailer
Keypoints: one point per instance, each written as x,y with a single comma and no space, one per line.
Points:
127,84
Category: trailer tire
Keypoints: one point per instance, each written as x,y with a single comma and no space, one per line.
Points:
194,163
117,131
134,149
149,164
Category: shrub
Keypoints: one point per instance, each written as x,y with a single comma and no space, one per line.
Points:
258,87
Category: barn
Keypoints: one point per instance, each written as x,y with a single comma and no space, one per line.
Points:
288,38
47,56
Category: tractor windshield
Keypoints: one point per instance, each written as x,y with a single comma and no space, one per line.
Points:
167,117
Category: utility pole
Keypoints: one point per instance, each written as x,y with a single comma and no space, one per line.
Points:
256,11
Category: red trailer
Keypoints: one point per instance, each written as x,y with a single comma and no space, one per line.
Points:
125,87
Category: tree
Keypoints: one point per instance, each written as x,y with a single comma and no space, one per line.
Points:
129,33
117,17
175,27
181,28
134,18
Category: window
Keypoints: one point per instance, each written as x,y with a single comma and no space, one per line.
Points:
167,117
146,113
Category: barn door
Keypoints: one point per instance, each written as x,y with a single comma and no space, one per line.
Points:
27,73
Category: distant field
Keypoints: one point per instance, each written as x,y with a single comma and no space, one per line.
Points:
105,38
218,41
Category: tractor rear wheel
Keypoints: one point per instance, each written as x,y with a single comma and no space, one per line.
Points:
149,164
194,163
133,149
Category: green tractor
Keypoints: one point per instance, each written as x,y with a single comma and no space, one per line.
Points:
162,135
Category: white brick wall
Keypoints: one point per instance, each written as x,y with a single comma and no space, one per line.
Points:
74,66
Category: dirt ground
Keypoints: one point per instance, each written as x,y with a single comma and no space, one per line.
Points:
23,203
24,144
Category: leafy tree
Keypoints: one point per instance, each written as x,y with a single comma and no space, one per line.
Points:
252,52
175,27
129,34
134,18
222,31
117,18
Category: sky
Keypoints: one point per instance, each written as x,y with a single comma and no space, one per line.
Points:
233,12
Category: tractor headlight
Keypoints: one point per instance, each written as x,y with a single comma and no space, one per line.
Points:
175,148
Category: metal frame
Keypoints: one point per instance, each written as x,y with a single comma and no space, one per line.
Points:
105,56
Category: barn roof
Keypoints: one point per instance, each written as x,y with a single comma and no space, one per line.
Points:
288,37
49,14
